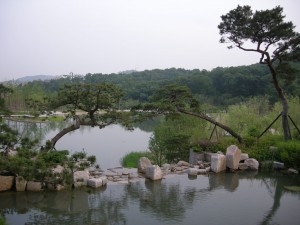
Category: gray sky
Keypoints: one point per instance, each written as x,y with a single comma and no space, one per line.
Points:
55,37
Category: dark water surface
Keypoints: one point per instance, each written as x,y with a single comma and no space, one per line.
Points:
225,198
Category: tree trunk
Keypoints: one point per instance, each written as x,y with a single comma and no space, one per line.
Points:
207,118
72,128
284,103
63,132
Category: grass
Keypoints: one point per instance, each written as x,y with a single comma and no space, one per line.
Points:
130,160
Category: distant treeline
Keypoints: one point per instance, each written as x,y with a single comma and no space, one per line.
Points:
219,87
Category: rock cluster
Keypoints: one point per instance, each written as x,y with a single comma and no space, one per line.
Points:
199,163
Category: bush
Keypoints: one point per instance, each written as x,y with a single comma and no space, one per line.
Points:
289,153
53,157
131,159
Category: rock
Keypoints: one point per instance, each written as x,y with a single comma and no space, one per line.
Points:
292,171
60,187
220,153
243,166
194,157
278,165
208,155
110,174
6,183
218,163
81,177
252,164
192,172
183,163
12,153
20,183
233,156
202,171
104,180
58,169
208,169
133,175
153,172
166,166
57,187
34,186
143,163
244,156
94,182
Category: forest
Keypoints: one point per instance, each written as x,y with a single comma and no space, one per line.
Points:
215,89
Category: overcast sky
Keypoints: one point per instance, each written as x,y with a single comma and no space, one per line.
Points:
55,37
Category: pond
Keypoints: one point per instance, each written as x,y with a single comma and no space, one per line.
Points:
109,145
224,198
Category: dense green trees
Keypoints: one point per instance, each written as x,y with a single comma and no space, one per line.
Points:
266,33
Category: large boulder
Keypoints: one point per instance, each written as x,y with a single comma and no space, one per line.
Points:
233,156
143,163
34,186
153,172
6,183
81,177
252,164
218,163
20,183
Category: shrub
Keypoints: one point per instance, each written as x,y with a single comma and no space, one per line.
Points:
130,160
289,153
52,157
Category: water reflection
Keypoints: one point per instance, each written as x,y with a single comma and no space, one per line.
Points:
109,145
233,198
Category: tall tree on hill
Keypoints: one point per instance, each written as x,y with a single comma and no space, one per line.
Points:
266,33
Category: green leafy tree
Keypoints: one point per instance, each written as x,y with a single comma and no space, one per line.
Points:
266,33
174,99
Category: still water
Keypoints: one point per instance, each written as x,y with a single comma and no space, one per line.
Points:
225,198
109,145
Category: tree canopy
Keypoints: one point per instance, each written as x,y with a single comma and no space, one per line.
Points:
266,33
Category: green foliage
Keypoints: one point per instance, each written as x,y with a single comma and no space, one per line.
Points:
55,157
172,139
130,160
78,156
2,220
289,153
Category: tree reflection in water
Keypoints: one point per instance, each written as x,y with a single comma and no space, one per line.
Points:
169,201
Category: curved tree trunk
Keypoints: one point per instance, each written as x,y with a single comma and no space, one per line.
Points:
72,128
207,118
284,103
63,132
